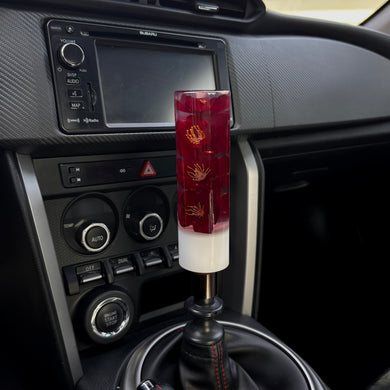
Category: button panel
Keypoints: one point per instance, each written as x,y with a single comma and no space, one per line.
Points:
106,271
106,172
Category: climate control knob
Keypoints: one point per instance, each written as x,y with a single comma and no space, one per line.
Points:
151,226
94,237
89,224
71,55
146,214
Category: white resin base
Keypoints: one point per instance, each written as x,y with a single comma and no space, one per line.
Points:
204,253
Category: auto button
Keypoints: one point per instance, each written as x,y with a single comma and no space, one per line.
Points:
95,237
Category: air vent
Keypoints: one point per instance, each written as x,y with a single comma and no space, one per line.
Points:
230,8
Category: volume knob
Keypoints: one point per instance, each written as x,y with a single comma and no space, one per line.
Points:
71,55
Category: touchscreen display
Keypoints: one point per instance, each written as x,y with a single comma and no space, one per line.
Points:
138,83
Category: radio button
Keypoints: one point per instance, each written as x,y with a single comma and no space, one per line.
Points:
76,105
71,55
75,93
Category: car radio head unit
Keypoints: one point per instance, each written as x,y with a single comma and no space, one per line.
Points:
116,79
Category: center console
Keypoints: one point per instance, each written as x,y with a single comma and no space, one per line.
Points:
114,225
113,218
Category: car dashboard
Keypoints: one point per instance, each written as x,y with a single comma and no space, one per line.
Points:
87,144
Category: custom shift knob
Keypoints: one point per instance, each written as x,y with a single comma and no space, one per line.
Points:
203,168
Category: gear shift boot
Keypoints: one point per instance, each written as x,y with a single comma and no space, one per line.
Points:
258,362
204,363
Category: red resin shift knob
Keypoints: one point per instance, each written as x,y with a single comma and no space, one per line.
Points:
203,169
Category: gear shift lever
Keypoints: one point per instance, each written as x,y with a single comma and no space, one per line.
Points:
203,146
196,358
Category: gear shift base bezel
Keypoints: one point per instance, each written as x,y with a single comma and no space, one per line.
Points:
134,373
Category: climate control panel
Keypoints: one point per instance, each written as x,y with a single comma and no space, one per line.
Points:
114,229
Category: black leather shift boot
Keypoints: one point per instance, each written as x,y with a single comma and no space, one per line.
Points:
205,367
210,368
255,363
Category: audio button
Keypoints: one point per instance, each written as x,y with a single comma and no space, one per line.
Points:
72,81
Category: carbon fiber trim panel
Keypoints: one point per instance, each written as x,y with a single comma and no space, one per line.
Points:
27,108
320,81
250,83
276,82
27,101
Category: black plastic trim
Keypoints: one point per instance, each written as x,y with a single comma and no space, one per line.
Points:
141,11
283,145
36,339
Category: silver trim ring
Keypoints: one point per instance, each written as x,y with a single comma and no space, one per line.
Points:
136,362
84,237
123,324
64,59
141,223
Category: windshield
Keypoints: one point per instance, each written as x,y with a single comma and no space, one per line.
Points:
344,11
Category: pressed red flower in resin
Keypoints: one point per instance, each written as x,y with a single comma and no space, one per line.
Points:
195,135
198,172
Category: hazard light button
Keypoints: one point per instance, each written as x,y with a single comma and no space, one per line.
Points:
147,170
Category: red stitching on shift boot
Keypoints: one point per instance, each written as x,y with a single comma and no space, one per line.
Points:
216,368
159,388
223,371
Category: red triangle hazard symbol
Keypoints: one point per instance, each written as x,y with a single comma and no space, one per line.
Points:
147,170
